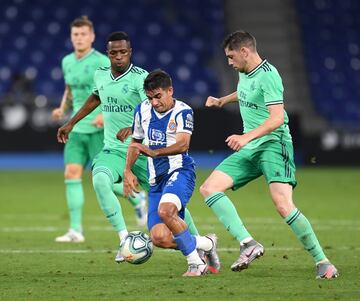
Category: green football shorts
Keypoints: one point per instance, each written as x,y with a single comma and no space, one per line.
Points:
82,148
273,159
112,162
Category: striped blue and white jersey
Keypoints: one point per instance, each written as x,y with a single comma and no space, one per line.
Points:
158,130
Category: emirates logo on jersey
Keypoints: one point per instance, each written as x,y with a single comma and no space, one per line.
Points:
172,125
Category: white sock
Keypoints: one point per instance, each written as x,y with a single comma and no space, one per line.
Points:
203,243
193,258
246,240
123,234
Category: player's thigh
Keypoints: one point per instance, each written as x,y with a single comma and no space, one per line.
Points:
110,162
75,150
179,188
239,168
276,159
95,144
141,172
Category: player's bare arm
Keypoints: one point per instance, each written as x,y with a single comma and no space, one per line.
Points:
91,103
131,183
124,133
66,103
181,146
275,120
220,102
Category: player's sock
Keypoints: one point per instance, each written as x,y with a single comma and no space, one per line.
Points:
226,212
75,202
118,189
305,233
108,201
185,242
190,223
203,243
122,234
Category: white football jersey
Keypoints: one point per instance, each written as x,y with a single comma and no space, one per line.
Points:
159,130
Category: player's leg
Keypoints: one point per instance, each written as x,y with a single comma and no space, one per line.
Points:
75,157
105,172
279,170
233,172
138,202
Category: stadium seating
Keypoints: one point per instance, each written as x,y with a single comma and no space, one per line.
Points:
332,52
178,36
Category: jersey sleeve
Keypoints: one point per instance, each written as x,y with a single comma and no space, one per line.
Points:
272,88
137,130
185,121
95,89
140,85
63,69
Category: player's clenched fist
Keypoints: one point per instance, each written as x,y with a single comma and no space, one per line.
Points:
63,133
212,102
57,113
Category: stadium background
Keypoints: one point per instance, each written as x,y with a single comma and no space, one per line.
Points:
314,44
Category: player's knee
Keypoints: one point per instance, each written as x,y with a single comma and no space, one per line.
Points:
101,183
73,171
162,239
283,205
206,190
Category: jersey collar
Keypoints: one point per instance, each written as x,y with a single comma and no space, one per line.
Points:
85,56
122,75
252,72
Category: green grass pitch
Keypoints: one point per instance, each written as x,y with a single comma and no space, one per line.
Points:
34,267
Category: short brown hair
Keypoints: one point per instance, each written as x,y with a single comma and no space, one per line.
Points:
82,21
238,39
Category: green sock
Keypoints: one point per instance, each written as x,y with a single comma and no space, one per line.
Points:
118,188
109,204
305,233
190,223
226,212
75,202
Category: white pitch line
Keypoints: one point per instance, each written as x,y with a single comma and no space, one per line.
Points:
319,227
210,219
87,251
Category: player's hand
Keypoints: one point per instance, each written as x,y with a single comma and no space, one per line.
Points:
98,121
63,133
131,184
124,133
143,149
236,142
212,102
57,113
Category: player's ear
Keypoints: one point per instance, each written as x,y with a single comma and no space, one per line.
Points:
171,91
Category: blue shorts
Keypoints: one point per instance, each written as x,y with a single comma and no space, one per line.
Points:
180,182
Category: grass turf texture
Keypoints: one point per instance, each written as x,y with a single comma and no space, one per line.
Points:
34,267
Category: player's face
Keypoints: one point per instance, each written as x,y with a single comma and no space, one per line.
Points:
161,99
119,53
82,38
236,58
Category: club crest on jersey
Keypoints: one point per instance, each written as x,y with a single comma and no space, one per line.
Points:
172,125
156,135
125,89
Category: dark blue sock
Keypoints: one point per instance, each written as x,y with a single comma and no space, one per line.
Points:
186,243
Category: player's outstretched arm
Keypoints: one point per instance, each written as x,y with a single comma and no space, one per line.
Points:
181,146
123,134
275,120
58,113
91,103
220,102
131,183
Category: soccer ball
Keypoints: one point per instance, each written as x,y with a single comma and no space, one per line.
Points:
137,247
